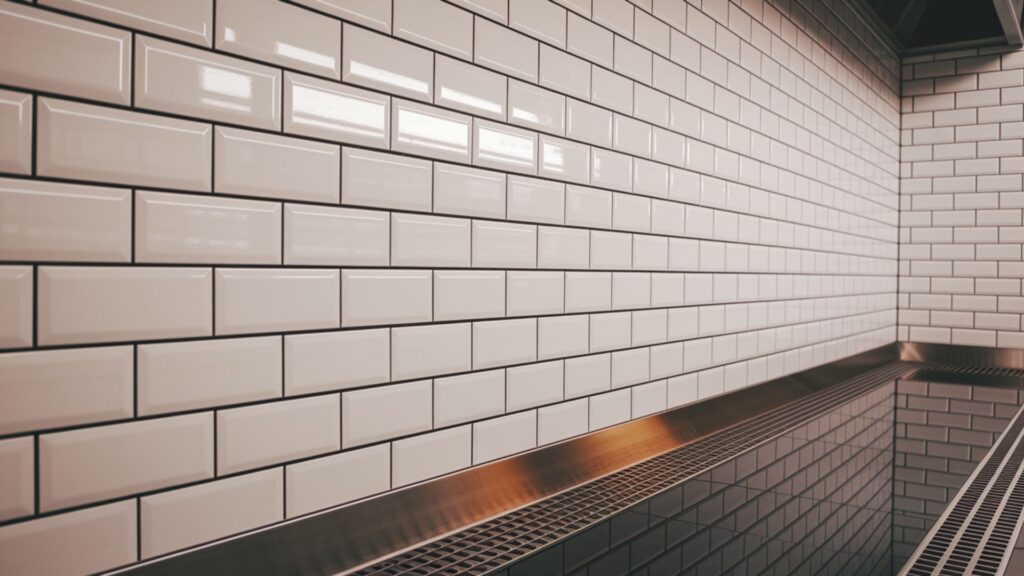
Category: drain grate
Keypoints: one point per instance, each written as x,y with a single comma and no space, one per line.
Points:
513,536
980,525
975,370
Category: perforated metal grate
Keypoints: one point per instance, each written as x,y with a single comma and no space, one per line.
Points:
973,370
514,536
977,529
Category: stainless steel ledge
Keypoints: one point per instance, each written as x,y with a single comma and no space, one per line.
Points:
1009,358
343,538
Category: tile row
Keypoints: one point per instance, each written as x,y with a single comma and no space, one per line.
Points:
50,221
81,305
403,127
120,382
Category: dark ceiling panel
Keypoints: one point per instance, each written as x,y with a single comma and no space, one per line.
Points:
922,23
947,21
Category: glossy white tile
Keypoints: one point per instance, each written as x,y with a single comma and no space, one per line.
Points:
16,314
336,360
588,123
82,542
459,399
385,297
374,14
408,409
182,80
504,436
561,336
535,293
535,200
326,236
504,147
539,18
469,88
421,351
429,131
252,163
181,518
64,222
467,191
186,228
332,111
563,248
54,388
337,479
82,466
468,294
263,434
370,178
589,40
611,170
377,61
17,477
504,342
430,455
85,142
564,160
282,34
430,241
56,53
181,376
187,20
253,300
16,132
588,207
534,385
435,24
564,72
499,244
505,50
536,108
76,304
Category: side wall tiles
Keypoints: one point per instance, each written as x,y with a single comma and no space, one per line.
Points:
283,271
962,157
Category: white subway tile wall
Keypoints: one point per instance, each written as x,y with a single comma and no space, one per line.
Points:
961,199
283,271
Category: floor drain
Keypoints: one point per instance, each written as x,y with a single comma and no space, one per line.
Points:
981,523
512,537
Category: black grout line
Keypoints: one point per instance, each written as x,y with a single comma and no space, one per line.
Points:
35,307
723,271
35,478
34,170
138,529
132,65
214,413
135,381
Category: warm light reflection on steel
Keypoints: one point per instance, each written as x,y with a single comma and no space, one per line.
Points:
340,539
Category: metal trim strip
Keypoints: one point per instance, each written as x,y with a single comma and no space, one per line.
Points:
962,355
342,538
